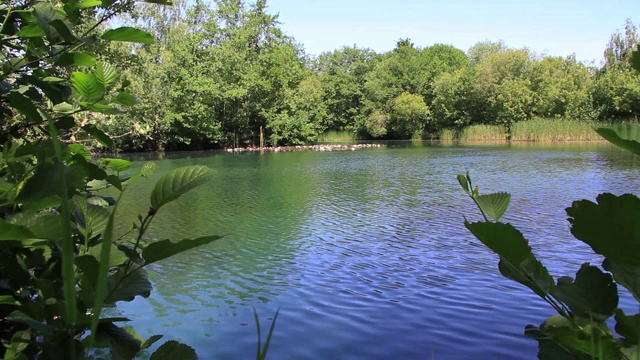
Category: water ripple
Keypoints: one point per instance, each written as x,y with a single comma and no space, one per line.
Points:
365,252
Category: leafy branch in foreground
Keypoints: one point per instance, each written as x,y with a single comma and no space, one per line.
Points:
60,261
585,304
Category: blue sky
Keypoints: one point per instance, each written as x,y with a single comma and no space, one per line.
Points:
560,27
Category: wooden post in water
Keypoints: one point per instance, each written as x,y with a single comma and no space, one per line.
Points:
261,138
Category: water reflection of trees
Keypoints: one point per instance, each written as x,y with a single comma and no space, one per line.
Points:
259,203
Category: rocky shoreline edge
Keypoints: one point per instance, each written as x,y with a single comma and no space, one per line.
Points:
351,147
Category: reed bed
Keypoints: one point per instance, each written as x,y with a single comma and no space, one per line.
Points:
337,136
537,129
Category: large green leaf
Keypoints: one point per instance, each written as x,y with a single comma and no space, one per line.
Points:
626,136
87,85
177,182
593,339
610,226
121,288
125,98
117,165
160,250
122,344
593,294
10,231
46,182
494,205
172,350
63,28
25,106
75,58
45,13
42,328
31,30
99,135
464,184
627,276
106,74
128,34
517,262
628,327
80,149
43,225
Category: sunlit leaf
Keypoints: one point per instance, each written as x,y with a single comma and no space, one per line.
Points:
494,205
31,30
151,340
128,34
117,165
177,182
106,74
80,149
161,250
464,183
63,108
89,3
87,85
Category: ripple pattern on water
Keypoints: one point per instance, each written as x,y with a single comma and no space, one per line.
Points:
365,252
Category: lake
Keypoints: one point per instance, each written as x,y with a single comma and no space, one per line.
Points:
365,252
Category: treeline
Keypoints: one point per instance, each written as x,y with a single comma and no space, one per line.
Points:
225,75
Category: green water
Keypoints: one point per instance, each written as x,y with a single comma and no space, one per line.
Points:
364,252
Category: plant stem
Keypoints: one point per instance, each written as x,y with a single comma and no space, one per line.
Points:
68,255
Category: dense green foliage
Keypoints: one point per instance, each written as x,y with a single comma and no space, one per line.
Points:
60,261
222,73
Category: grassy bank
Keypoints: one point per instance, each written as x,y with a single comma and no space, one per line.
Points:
532,130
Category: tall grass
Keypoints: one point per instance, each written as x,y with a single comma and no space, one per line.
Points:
537,129
475,133
540,129
337,136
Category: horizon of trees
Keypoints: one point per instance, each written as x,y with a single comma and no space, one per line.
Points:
222,75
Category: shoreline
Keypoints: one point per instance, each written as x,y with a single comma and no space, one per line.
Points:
324,147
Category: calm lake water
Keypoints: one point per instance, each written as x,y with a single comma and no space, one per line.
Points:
365,252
